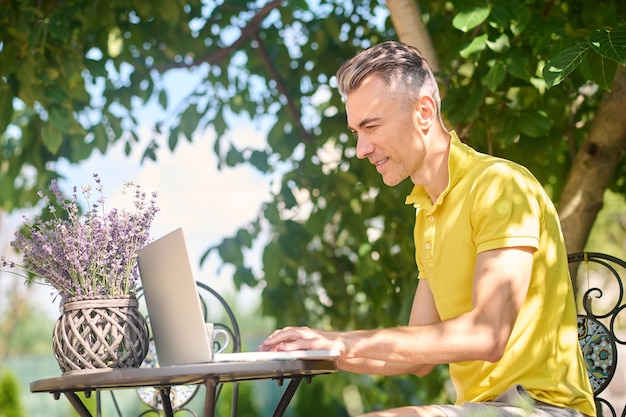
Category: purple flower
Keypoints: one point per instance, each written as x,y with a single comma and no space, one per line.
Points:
90,255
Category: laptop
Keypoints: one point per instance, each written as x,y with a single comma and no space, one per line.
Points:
175,311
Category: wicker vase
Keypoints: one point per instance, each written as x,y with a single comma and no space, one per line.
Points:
100,333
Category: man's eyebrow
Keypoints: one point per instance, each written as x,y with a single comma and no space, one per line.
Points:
366,121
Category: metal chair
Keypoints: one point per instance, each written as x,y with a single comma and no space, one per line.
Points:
601,328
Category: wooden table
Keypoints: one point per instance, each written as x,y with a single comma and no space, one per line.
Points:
208,374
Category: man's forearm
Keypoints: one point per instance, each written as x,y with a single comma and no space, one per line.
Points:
376,367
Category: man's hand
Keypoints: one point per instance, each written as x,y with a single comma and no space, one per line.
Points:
303,338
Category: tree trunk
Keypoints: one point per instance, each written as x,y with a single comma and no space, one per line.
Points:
407,20
594,166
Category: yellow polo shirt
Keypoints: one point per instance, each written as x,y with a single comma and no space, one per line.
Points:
493,203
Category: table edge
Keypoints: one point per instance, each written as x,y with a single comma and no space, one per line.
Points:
130,378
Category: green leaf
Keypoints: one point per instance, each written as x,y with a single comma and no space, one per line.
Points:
517,66
474,102
518,26
219,124
101,139
500,45
58,26
79,150
244,238
163,98
534,124
287,194
95,68
562,64
505,129
60,118
260,161
116,125
610,43
149,152
230,251
477,44
495,76
469,19
601,69
233,157
56,94
293,242
173,139
281,136
52,138
500,16
272,261
243,276
276,133
189,120
364,249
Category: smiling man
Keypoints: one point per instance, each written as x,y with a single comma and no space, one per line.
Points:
494,300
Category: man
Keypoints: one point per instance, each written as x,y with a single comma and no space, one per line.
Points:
494,299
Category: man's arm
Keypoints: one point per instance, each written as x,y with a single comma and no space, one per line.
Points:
501,279
423,312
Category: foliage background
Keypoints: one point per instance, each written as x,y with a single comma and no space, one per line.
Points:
337,245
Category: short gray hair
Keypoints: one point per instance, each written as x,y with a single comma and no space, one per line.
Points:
394,63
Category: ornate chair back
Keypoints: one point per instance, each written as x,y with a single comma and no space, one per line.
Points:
601,326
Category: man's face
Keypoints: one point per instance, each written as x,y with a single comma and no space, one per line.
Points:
387,134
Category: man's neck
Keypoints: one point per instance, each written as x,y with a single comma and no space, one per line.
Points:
437,176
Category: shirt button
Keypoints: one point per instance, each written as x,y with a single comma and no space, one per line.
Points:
428,246
431,218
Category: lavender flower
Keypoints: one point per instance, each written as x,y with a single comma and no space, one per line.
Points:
92,255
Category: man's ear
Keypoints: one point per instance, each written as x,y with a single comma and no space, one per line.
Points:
426,111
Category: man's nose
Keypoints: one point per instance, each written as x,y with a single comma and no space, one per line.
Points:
364,147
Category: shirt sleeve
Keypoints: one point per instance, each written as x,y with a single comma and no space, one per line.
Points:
507,210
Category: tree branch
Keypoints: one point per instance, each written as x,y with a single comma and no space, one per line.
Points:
280,85
246,32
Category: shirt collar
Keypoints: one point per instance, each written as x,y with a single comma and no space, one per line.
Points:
458,157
